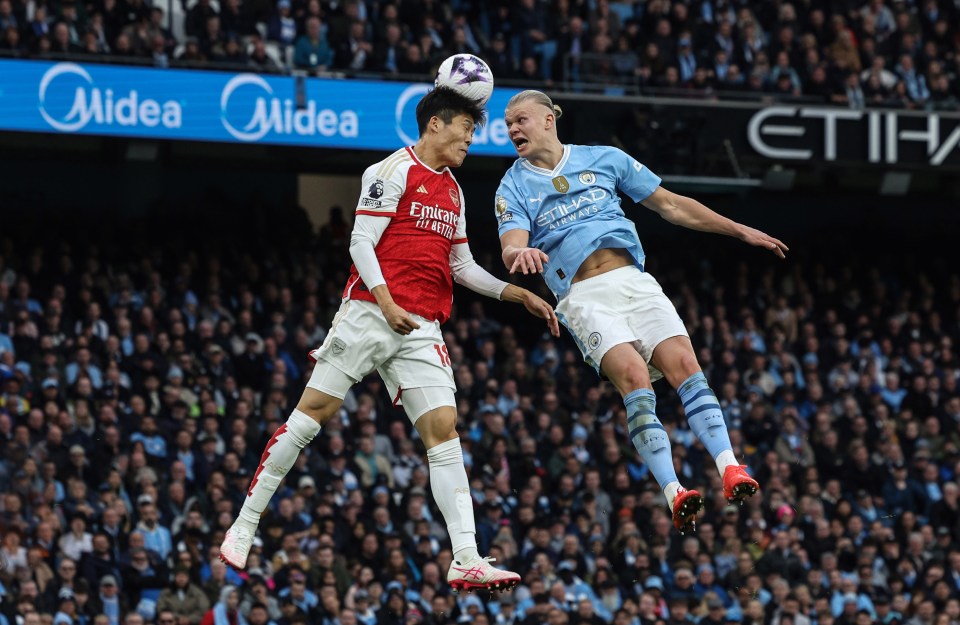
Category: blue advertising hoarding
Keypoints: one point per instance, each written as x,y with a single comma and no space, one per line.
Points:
191,105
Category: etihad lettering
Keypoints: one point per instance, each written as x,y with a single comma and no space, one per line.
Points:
778,132
576,208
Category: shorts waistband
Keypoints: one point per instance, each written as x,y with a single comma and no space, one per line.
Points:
584,285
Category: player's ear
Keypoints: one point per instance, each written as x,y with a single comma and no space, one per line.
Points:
435,124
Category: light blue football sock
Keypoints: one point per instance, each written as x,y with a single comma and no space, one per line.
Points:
648,436
706,418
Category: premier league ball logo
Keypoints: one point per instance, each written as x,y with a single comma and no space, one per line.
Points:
468,75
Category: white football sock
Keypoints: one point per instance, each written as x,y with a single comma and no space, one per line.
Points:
670,490
278,458
725,459
448,480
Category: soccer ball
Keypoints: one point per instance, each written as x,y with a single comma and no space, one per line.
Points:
468,75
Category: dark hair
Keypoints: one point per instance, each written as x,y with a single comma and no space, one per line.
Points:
446,104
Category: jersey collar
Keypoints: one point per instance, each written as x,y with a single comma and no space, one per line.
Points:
416,159
546,172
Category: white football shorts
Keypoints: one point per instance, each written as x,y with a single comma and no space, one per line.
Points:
360,340
625,305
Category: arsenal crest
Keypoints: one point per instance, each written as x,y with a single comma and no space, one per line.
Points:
455,197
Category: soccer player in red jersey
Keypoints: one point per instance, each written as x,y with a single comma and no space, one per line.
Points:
408,245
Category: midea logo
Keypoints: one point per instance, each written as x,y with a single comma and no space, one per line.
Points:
103,107
280,116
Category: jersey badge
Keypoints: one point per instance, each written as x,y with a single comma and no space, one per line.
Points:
587,177
338,346
501,205
560,184
455,197
374,193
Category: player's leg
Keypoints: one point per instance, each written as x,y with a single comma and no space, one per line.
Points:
432,411
626,369
421,377
357,335
675,358
320,401
594,313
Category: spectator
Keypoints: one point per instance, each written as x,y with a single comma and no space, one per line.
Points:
11,43
413,61
213,39
195,23
390,52
7,17
312,50
355,53
75,543
234,20
282,28
108,601
183,599
901,492
914,82
225,612
259,61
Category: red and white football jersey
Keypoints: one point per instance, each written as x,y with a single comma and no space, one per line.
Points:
426,212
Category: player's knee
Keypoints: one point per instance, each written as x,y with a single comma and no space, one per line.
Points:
318,406
438,425
635,375
324,393
688,364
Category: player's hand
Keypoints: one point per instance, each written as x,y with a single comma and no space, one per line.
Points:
764,240
529,260
398,319
538,307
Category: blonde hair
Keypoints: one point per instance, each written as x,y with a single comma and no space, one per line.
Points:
537,97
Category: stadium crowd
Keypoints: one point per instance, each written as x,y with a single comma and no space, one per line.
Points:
139,383
889,53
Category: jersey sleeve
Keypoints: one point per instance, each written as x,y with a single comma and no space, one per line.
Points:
510,211
633,178
460,236
381,190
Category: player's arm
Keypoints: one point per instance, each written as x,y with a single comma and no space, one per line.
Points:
514,226
517,256
467,272
689,213
371,220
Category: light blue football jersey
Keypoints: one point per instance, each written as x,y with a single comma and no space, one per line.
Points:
574,210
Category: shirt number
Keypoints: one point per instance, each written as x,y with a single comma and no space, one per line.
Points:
443,354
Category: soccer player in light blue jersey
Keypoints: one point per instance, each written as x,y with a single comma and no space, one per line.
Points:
559,215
